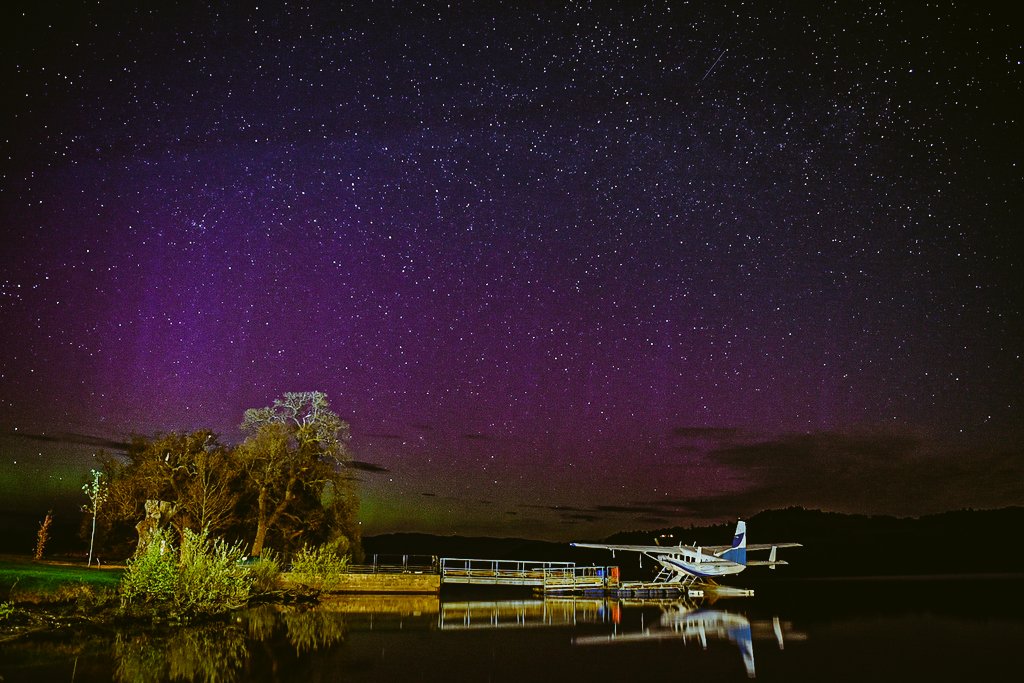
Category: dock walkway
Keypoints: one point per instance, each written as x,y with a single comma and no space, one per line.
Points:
429,575
549,577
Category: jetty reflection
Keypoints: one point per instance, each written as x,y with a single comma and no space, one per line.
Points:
478,614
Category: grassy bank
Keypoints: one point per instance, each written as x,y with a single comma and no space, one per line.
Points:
21,577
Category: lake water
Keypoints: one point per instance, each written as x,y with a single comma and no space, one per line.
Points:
911,630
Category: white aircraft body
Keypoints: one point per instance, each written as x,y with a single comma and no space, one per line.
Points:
701,564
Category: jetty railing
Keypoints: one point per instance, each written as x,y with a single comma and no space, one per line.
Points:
577,579
498,572
550,576
397,564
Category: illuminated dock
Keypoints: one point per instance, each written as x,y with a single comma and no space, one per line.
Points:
428,575
554,578
547,576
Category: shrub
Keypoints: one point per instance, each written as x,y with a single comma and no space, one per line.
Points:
6,611
265,572
151,575
319,566
211,578
202,577
43,535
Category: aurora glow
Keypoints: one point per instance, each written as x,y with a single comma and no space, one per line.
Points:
565,271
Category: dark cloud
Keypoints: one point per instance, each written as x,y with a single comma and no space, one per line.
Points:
661,511
553,508
880,472
632,509
654,520
665,511
476,437
841,450
582,517
876,472
705,432
391,437
71,438
367,466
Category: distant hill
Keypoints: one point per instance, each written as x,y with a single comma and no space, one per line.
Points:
961,542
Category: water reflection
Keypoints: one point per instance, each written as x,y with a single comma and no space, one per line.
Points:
312,630
689,621
479,614
684,620
207,654
218,653
855,633
222,654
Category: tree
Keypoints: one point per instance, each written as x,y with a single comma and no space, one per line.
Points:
43,535
188,480
290,479
209,494
96,492
295,461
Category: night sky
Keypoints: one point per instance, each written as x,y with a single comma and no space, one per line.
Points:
565,270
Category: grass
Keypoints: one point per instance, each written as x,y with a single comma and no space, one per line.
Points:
23,577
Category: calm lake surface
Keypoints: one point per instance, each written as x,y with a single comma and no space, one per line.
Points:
863,630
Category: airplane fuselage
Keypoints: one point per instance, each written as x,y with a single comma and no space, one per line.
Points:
698,564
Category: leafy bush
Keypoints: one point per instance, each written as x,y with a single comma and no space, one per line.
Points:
202,577
265,572
210,576
6,611
151,576
319,566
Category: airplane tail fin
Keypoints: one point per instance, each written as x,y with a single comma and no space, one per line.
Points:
738,551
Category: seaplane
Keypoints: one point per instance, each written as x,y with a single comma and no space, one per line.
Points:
696,567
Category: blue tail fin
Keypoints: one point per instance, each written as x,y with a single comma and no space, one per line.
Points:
738,551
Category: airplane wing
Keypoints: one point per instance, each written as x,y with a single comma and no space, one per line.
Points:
713,549
769,546
661,549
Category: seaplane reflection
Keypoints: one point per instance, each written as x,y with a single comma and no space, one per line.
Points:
686,621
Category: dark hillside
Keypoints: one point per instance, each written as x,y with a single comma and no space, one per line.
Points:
961,542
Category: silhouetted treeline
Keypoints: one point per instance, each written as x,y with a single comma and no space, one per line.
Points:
961,542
